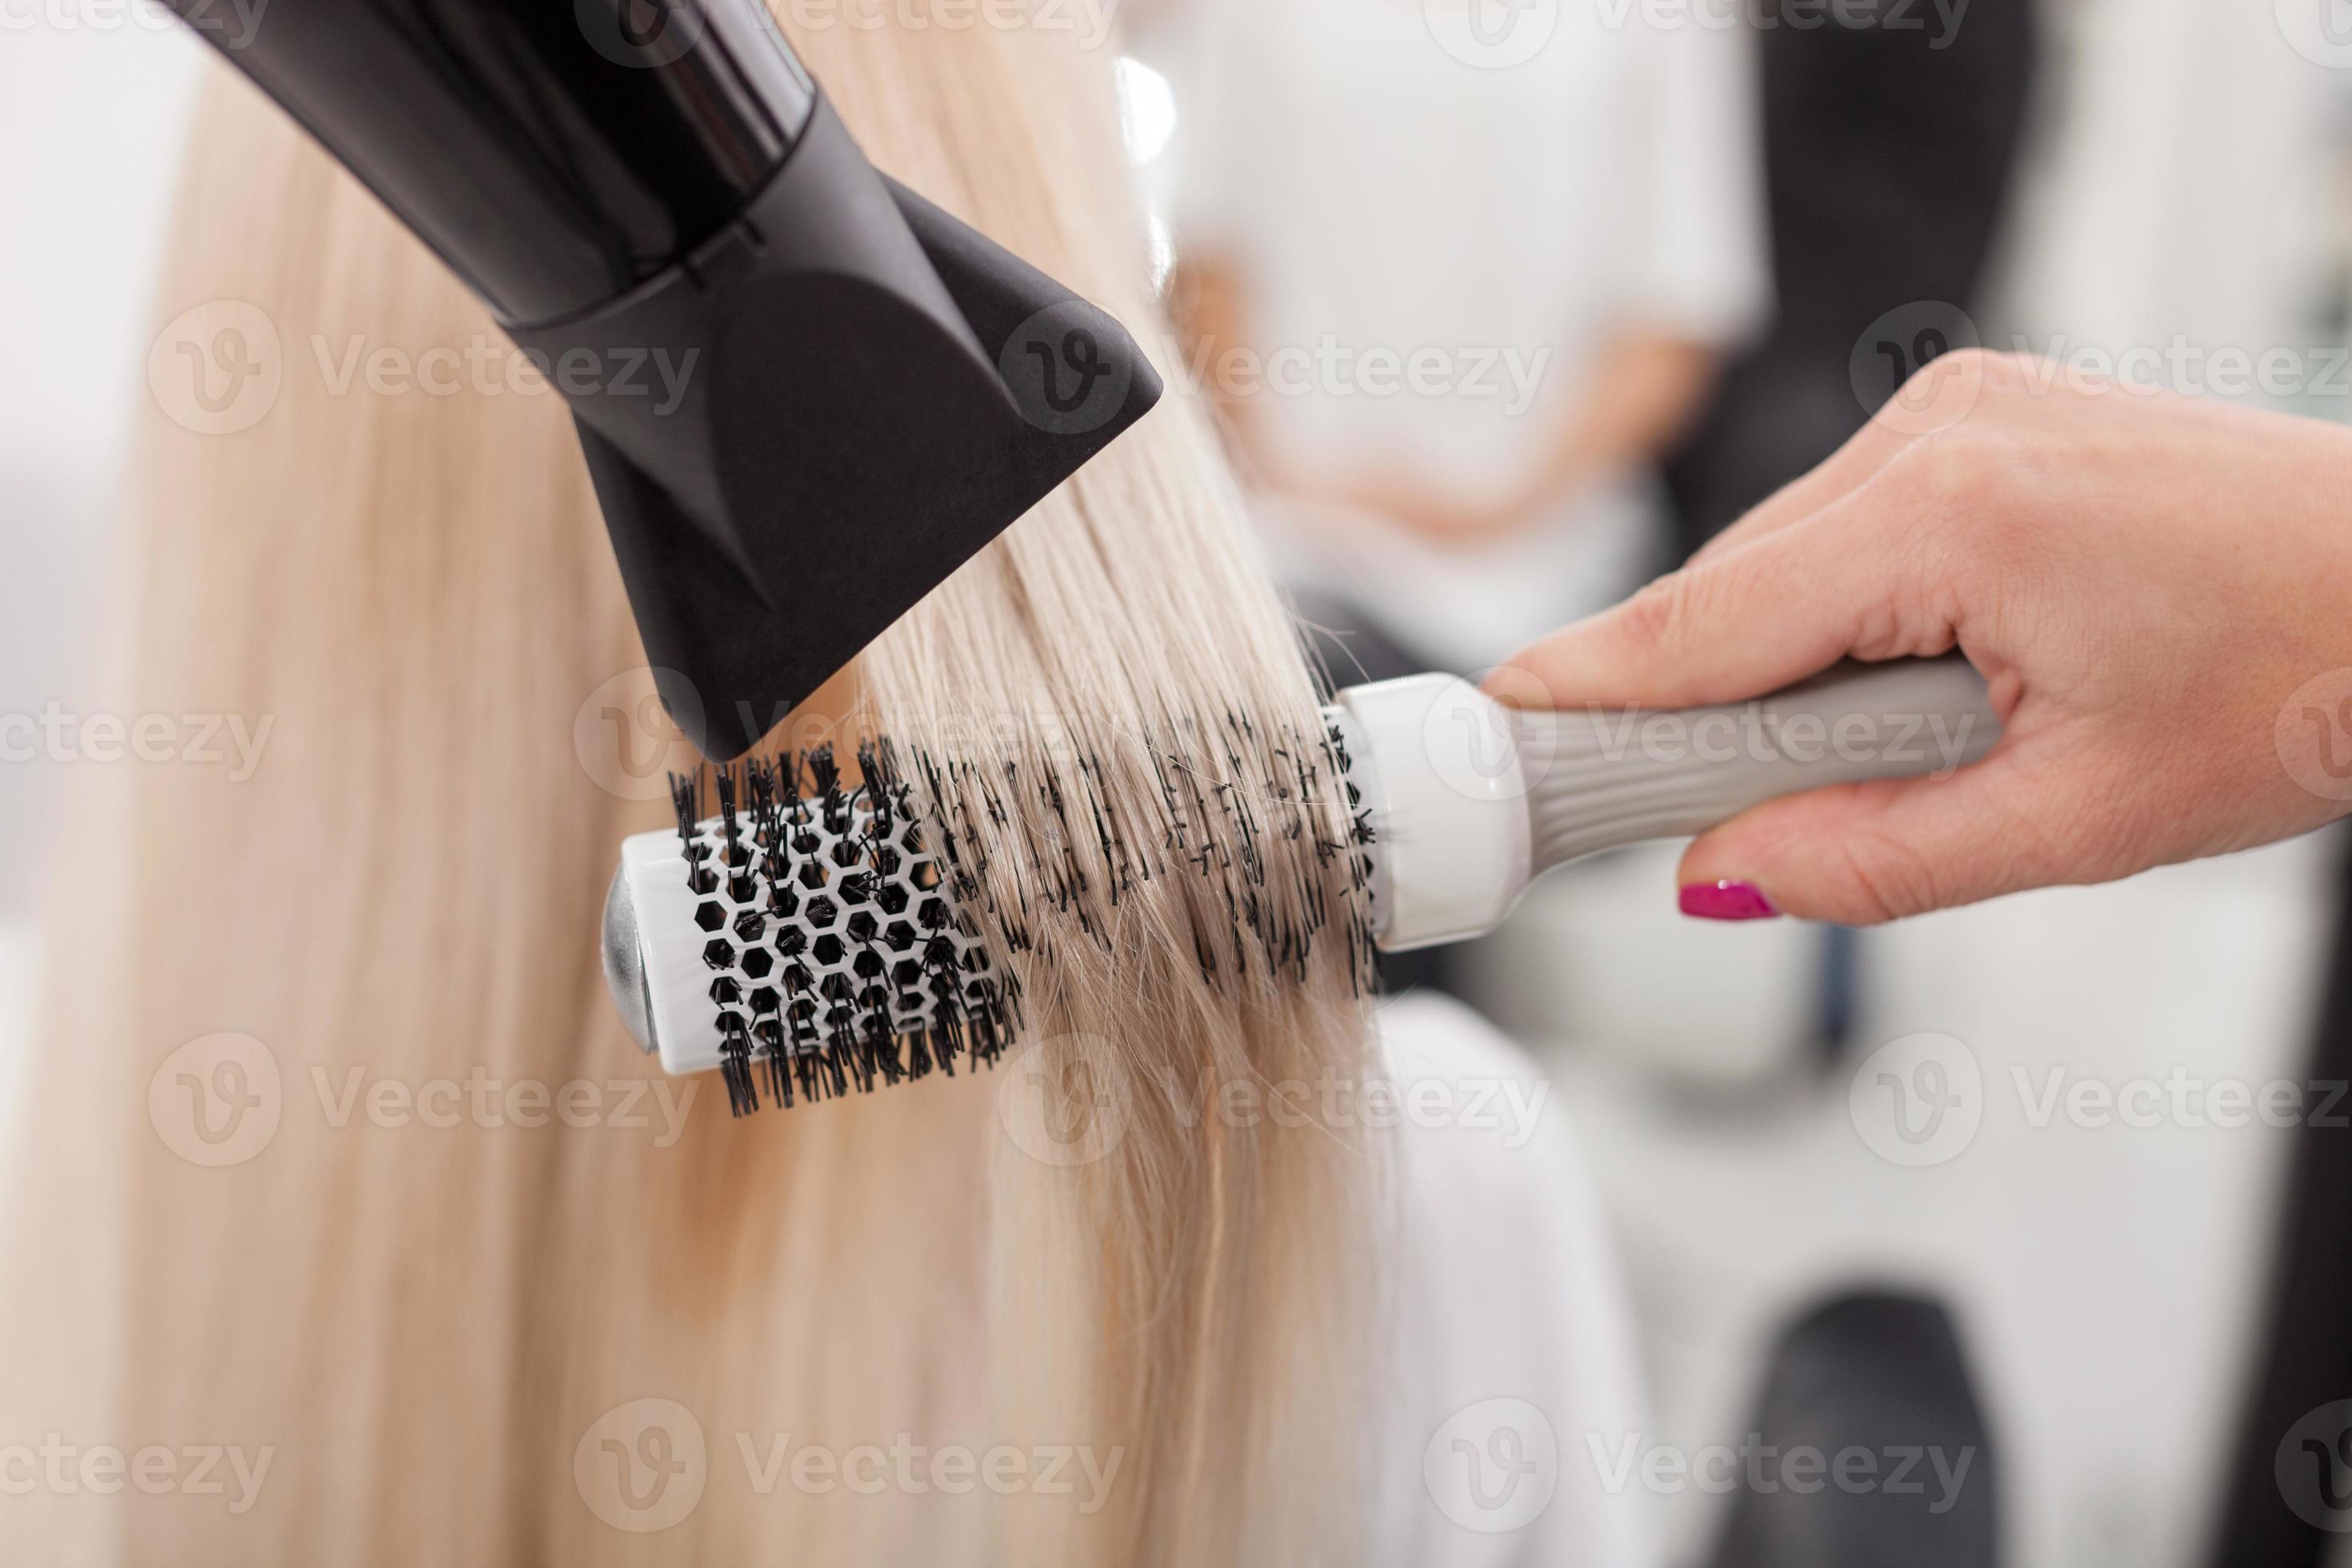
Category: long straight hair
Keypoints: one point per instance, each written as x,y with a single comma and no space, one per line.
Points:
479,1261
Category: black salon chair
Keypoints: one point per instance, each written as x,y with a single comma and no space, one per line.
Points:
1884,1375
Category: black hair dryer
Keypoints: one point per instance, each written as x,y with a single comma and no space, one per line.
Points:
859,391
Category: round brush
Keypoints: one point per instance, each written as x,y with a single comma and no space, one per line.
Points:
815,936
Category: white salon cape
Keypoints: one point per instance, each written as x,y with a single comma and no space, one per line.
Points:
1512,1387
1376,193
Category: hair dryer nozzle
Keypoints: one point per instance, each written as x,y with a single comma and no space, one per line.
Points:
806,394
855,394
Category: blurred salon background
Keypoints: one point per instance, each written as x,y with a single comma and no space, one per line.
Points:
1508,306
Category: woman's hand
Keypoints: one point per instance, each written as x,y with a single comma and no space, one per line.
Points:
2158,592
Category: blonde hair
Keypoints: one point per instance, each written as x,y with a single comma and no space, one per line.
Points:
429,1324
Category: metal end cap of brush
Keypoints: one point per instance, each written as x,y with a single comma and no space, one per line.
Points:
1437,764
654,956
624,964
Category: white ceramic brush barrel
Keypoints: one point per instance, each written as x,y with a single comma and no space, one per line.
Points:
1470,801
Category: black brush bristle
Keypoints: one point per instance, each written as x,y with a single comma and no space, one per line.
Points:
735,1067
870,922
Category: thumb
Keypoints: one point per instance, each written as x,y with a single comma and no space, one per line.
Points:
1865,853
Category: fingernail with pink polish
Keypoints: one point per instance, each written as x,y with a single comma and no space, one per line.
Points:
1727,901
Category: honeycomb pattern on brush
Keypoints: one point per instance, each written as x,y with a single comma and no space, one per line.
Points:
833,943
837,956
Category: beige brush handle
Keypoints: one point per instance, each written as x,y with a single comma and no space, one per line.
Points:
1468,801
1598,780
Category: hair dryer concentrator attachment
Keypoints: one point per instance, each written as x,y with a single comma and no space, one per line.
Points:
862,391
877,392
